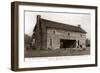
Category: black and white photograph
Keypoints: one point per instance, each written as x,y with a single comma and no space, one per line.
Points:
49,34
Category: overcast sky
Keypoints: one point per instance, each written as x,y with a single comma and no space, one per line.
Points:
68,18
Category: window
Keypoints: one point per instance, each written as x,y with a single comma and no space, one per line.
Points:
81,35
68,34
54,31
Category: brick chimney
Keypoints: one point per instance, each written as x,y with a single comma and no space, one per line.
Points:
79,25
38,19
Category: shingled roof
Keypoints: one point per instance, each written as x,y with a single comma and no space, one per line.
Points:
62,26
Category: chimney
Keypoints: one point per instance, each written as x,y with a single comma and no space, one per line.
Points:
38,18
79,26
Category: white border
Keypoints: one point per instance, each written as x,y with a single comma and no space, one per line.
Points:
54,61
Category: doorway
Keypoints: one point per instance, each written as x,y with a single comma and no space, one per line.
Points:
65,43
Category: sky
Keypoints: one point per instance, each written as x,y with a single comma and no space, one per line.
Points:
67,18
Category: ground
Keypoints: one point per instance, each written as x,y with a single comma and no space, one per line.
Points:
57,52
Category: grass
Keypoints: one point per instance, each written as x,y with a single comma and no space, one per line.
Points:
57,52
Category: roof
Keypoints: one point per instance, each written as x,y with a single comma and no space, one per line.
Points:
62,26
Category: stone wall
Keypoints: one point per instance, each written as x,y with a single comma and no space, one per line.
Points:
54,36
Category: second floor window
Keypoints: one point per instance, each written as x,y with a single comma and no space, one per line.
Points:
54,31
81,35
68,34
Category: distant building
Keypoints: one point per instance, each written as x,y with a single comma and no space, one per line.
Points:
54,35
